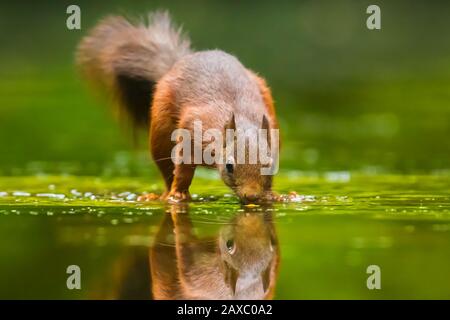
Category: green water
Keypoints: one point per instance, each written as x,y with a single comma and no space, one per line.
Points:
325,239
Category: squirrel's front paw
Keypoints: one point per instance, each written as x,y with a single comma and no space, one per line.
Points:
290,197
271,196
148,197
178,196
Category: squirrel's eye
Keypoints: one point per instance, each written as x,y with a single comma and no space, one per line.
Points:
230,246
229,167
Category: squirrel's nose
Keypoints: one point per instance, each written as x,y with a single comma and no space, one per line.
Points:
251,197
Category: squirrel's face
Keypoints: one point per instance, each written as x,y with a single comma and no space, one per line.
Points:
246,180
249,251
245,177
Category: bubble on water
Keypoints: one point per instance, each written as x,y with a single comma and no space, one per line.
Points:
34,213
51,187
114,222
148,208
76,193
294,197
21,194
3,194
123,194
342,198
51,195
131,196
49,213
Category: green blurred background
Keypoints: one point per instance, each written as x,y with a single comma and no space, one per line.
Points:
348,98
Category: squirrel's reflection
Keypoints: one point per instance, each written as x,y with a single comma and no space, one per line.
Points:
239,262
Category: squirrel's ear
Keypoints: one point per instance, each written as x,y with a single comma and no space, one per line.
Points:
231,124
231,277
265,126
265,123
265,277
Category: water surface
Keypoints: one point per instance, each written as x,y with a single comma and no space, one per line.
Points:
317,246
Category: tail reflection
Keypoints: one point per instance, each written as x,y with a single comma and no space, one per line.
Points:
241,262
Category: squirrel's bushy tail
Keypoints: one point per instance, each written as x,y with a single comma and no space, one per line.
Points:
128,59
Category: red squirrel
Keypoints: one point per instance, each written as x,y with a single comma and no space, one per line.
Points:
240,262
160,82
